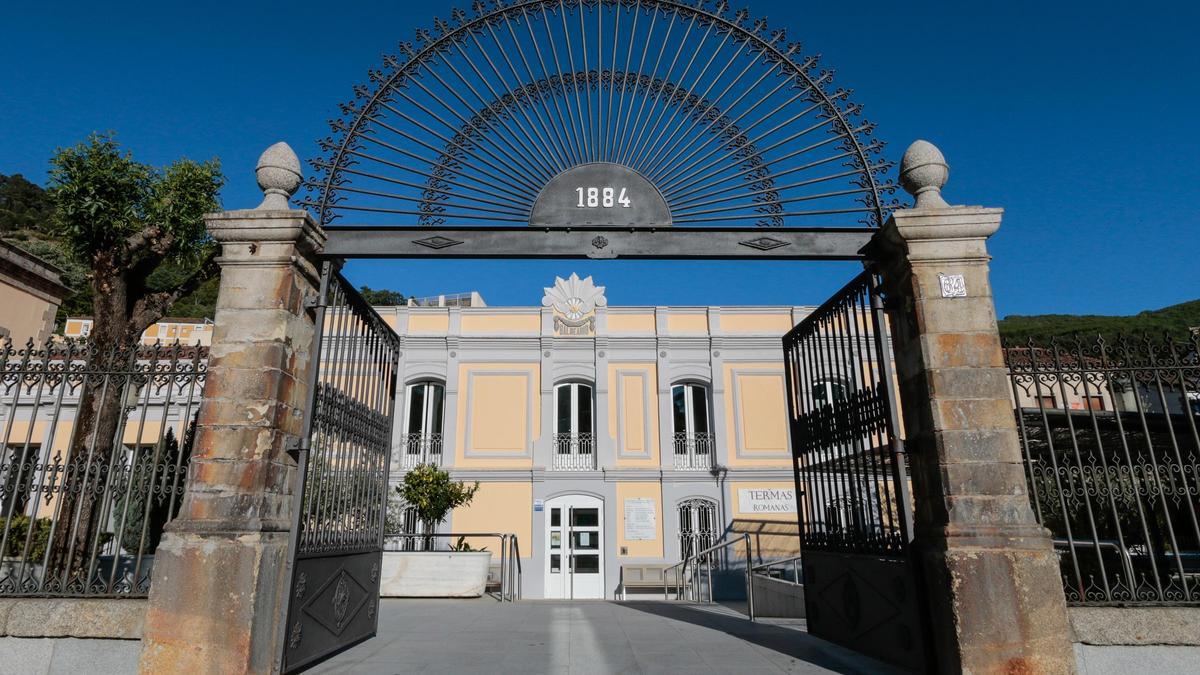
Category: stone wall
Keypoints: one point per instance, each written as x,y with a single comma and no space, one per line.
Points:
68,656
72,618
1121,640
70,635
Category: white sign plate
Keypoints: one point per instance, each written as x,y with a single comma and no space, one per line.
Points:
953,285
767,500
640,520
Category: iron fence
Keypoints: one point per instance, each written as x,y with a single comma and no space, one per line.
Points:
96,448
1108,429
851,477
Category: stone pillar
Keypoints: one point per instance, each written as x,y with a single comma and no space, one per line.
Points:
216,601
996,598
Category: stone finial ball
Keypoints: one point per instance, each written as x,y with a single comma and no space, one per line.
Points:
278,171
923,173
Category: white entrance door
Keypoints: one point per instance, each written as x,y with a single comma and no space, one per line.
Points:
574,549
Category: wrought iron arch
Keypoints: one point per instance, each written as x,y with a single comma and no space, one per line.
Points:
752,168
730,122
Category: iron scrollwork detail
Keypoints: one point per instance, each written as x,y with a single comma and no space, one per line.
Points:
473,117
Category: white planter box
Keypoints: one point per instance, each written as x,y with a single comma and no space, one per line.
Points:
434,574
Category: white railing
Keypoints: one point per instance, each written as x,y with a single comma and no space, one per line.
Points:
574,452
416,449
694,452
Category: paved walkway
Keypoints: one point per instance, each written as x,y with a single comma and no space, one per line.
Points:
485,636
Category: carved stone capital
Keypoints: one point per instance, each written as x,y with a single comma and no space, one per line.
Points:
260,238
949,234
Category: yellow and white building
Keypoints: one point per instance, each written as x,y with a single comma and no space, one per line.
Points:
31,291
168,331
601,436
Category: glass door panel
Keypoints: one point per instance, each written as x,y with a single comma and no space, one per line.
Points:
574,548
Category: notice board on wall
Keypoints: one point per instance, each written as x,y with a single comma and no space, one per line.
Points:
640,520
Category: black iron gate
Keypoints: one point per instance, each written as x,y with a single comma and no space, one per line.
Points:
339,504
861,585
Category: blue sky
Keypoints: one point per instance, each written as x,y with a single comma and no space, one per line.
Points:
1078,118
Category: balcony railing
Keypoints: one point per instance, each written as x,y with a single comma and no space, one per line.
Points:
419,449
574,452
693,452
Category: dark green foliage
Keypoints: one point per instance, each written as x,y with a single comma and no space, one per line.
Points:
17,533
138,229
463,547
23,206
1176,320
199,304
152,473
106,214
430,491
381,297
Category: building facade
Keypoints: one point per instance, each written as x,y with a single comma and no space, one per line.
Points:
197,332
31,291
601,436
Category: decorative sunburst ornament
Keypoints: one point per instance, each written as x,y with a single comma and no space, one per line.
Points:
573,301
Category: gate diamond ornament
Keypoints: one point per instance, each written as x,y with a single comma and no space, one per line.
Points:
341,601
437,243
765,243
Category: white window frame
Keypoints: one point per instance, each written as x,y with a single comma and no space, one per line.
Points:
427,411
573,388
689,408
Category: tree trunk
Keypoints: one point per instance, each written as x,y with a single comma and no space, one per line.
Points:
89,465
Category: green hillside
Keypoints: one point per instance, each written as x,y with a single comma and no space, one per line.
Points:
1176,320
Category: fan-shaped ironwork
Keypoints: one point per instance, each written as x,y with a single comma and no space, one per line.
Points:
730,123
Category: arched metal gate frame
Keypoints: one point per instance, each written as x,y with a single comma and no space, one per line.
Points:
340,499
568,129
862,586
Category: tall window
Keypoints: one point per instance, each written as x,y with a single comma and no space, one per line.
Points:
423,426
573,439
826,392
693,438
698,527
17,467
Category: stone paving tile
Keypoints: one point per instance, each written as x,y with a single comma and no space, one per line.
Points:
581,638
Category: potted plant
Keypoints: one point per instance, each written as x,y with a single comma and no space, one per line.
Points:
457,571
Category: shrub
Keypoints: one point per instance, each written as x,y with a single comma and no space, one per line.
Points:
430,491
19,531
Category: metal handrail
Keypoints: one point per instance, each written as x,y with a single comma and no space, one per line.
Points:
515,556
703,557
766,567
510,583
678,579
1122,552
